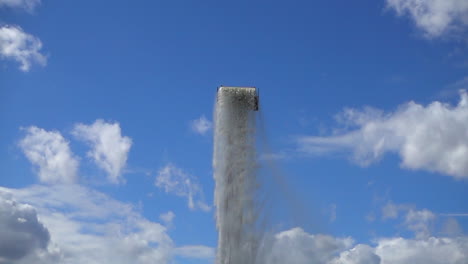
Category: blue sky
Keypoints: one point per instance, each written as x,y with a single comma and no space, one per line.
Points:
106,126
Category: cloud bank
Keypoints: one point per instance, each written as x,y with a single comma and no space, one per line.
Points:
15,44
434,17
299,247
72,224
109,149
432,138
50,153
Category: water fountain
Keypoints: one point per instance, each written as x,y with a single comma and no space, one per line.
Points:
235,166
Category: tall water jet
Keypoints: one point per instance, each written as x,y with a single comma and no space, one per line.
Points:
234,163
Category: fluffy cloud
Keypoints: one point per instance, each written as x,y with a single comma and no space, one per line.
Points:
427,251
15,44
85,226
360,254
90,227
28,5
73,224
51,154
434,17
201,125
297,246
109,148
432,137
22,235
174,180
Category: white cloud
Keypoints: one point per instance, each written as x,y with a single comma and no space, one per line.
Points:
80,202
420,221
434,17
167,218
174,180
51,154
20,46
90,227
28,5
427,251
109,148
201,125
432,137
87,226
393,211
63,224
360,254
298,247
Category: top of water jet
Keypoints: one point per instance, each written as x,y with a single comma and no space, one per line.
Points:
249,94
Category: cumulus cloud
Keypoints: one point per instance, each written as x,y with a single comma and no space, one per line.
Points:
87,226
51,154
423,251
22,235
299,247
434,17
176,181
63,224
90,227
109,148
28,5
407,251
431,138
360,254
15,44
201,125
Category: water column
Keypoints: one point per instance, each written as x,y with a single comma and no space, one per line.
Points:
234,164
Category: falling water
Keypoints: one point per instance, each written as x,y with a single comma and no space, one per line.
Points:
234,163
